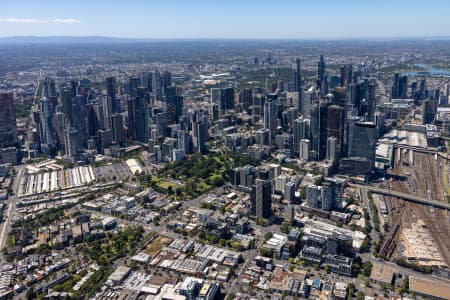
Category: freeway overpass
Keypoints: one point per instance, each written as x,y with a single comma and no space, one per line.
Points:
404,196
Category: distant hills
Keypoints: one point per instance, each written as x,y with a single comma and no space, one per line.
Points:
107,40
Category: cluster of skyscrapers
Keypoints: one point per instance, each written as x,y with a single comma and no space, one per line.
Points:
77,121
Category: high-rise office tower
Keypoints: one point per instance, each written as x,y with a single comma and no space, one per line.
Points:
227,98
149,82
307,102
60,126
79,118
166,81
346,75
335,126
92,119
131,111
200,134
72,144
321,74
133,85
45,127
118,132
8,126
429,110
371,102
262,199
400,86
67,106
362,140
395,85
246,98
141,116
157,84
318,136
174,105
298,79
111,94
270,116
403,87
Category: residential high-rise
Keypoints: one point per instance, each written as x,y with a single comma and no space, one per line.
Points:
157,84
301,131
67,106
332,153
319,130
298,78
200,134
45,127
305,149
111,94
8,126
79,118
262,199
270,116
332,193
313,197
371,102
141,116
321,73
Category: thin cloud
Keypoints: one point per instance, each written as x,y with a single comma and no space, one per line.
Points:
40,21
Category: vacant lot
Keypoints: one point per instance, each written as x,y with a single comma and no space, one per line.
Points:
156,246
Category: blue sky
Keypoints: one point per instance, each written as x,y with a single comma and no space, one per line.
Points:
258,19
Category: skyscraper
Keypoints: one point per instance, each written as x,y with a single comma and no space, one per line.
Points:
45,127
321,73
8,126
332,192
111,93
270,116
118,132
262,199
371,102
362,140
319,130
335,126
298,78
141,116
79,118
226,99
174,105
346,75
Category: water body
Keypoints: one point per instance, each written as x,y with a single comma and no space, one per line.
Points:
427,70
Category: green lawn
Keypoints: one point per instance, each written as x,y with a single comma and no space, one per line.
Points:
164,184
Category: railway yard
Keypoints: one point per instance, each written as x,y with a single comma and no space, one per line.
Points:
417,232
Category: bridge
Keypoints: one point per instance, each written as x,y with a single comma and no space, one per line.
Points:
404,196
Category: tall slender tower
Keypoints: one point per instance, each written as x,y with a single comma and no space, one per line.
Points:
298,78
320,72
